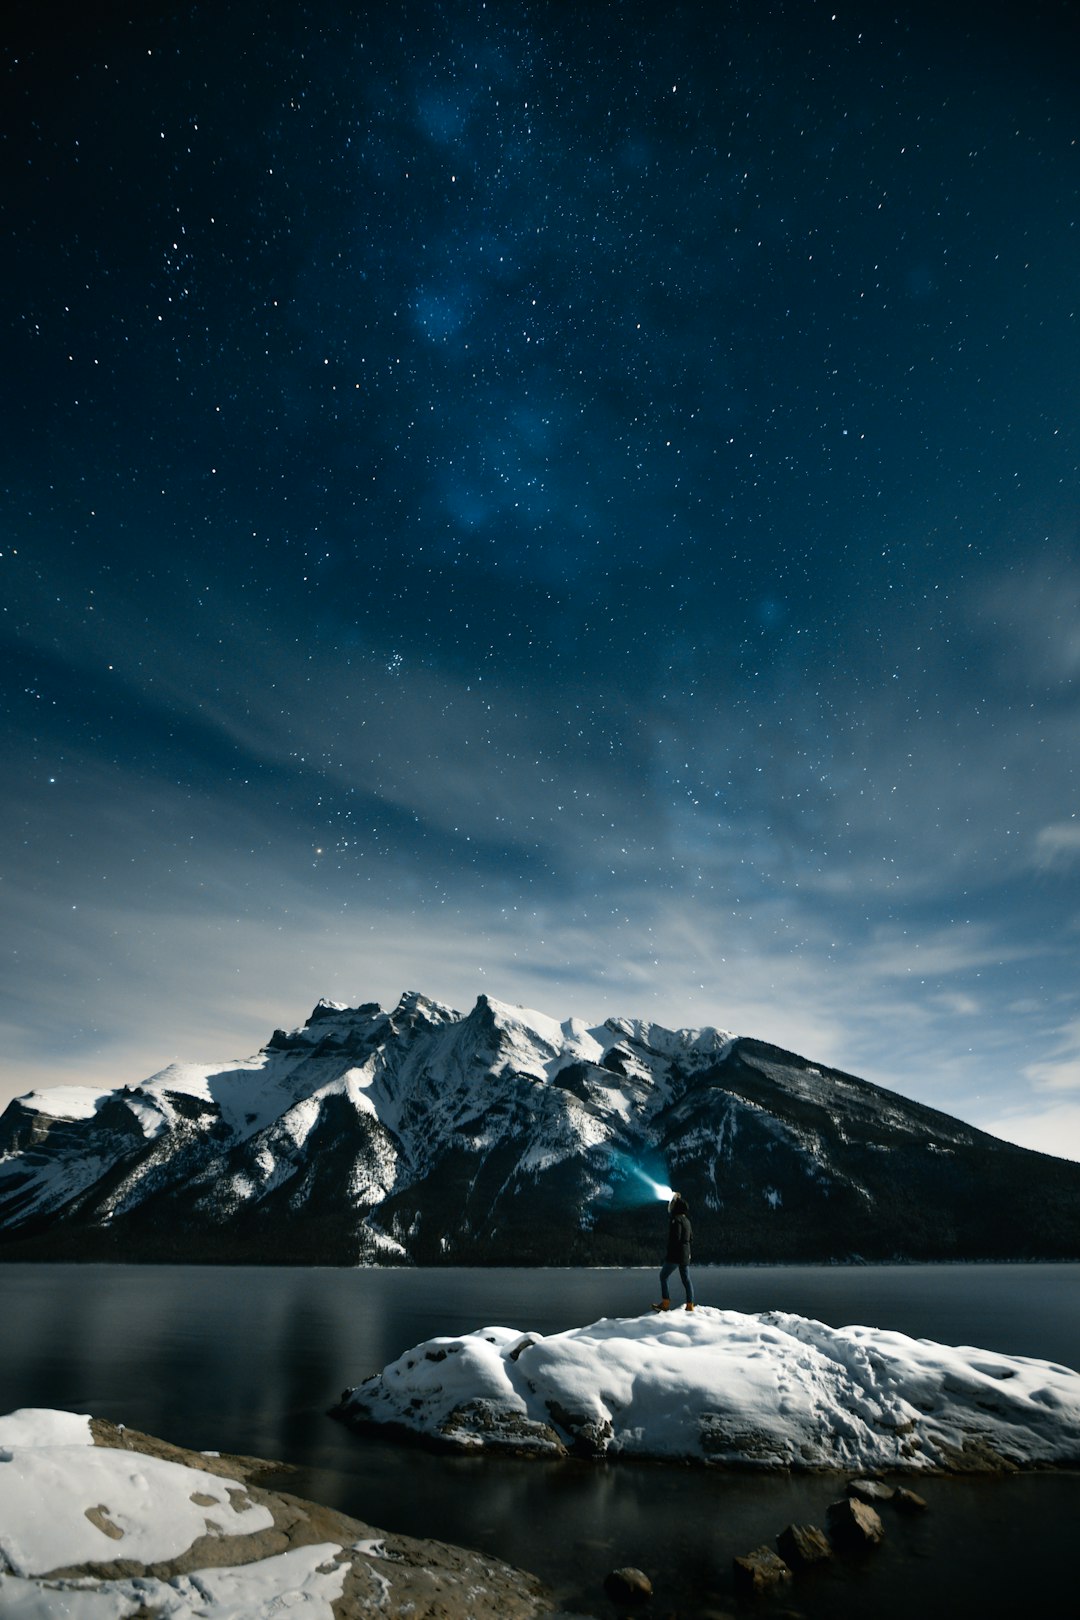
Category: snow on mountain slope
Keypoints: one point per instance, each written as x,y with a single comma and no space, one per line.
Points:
694,1046
421,1083
66,1102
505,1135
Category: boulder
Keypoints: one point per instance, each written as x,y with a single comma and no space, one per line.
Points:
909,1501
871,1490
801,1545
854,1523
760,1571
628,1587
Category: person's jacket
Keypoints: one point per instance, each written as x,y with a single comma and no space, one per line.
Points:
680,1238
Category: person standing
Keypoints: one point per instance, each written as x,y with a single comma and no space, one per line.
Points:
679,1243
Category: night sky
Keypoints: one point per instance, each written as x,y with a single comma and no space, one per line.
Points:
578,503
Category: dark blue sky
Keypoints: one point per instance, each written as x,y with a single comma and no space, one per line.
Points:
578,503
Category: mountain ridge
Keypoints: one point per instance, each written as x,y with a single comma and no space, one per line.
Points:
424,1135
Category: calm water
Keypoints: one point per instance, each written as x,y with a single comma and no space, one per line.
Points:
249,1360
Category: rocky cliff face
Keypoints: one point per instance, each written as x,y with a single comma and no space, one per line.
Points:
505,1137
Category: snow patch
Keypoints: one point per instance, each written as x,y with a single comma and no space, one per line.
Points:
304,1581
65,1102
65,1502
41,1426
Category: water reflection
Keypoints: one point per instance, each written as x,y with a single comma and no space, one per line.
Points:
249,1360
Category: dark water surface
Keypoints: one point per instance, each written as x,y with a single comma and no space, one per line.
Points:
249,1360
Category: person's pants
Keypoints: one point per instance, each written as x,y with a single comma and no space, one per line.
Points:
684,1275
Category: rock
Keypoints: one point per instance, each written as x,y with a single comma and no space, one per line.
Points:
499,1429
976,1454
628,1587
760,1571
871,1490
909,1501
801,1545
99,1517
854,1523
384,1573
724,1440
588,1438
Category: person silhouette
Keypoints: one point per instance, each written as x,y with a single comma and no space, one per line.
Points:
679,1244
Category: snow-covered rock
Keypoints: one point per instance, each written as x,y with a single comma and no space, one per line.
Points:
715,1386
98,1506
98,1523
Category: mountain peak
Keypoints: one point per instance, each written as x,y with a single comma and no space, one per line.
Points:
505,1136
414,1004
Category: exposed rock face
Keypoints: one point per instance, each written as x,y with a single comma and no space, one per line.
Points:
588,1437
975,1455
503,1136
395,1576
486,1423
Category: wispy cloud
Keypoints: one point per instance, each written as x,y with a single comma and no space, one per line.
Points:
1060,1071
1054,1129
1034,614
1057,846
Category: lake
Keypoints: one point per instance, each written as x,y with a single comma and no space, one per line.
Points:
249,1360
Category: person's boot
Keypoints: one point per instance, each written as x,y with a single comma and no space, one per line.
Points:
662,1305
689,1304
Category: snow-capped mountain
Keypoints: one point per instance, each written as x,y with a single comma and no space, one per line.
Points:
503,1136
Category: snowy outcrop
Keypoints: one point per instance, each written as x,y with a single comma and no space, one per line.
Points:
422,1134
769,1391
106,1524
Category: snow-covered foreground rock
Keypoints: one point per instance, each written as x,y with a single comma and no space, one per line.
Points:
768,1391
98,1523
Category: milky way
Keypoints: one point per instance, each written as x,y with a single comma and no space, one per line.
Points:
578,503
